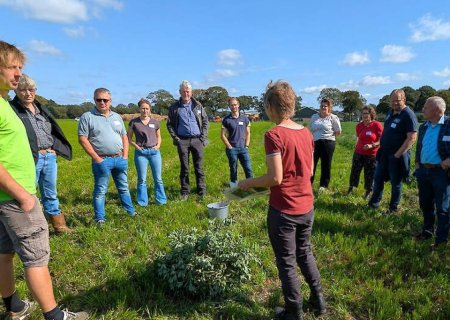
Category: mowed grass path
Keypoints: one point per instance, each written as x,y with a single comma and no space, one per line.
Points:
371,268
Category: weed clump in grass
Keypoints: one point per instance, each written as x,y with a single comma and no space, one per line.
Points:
205,265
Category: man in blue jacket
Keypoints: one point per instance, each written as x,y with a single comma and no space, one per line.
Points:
432,171
188,126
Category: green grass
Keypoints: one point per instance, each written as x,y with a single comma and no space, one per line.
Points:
371,268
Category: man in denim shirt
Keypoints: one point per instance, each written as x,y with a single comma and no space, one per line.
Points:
188,126
102,135
432,168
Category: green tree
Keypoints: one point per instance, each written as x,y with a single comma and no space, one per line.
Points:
384,105
445,94
199,95
424,93
216,98
246,102
298,103
161,100
411,96
352,102
333,94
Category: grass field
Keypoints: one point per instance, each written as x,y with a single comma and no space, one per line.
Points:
371,268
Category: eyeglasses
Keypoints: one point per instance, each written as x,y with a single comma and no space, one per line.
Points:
32,90
365,113
102,100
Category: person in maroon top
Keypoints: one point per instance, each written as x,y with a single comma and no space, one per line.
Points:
289,159
368,132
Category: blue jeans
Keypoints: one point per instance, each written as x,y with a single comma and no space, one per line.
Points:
433,200
117,167
387,167
46,174
141,159
242,154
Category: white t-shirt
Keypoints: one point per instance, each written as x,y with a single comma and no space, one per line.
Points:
325,128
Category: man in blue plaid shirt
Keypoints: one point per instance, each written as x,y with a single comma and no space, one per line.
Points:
432,171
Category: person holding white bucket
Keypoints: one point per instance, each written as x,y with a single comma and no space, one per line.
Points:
289,159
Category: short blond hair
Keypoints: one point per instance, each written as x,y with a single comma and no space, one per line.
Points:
8,51
281,97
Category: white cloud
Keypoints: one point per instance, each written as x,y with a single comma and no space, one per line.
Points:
403,76
447,82
348,85
221,74
229,57
430,29
42,47
117,5
396,54
76,32
58,11
354,58
369,81
443,73
61,11
313,89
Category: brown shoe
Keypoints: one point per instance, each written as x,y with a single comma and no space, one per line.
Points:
59,224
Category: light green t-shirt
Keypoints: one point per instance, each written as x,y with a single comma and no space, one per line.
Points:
15,152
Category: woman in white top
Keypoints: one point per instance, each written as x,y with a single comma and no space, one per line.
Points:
325,127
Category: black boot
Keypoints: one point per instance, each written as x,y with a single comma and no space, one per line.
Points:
290,313
317,301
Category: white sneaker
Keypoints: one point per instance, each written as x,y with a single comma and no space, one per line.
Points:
24,313
75,315
233,184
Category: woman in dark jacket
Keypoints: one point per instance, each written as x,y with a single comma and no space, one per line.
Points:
47,140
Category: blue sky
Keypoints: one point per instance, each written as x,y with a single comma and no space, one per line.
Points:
135,47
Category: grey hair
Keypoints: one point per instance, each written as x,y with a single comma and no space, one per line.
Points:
99,90
438,102
185,84
26,82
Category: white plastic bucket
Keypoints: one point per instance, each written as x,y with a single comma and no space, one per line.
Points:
218,210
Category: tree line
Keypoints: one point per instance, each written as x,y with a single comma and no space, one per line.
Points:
352,101
215,100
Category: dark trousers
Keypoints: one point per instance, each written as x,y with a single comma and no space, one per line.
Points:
323,150
433,200
367,162
185,147
387,167
290,238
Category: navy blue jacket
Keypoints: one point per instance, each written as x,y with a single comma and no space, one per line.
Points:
443,143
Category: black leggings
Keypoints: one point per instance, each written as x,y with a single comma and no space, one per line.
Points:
323,149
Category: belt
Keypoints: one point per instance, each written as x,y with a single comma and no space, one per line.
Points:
118,154
46,150
431,166
186,137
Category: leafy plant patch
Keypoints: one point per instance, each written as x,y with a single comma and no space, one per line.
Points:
205,264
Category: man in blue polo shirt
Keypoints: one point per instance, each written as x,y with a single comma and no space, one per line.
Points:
102,135
432,168
235,135
393,157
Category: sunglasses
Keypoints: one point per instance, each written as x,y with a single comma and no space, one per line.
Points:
102,100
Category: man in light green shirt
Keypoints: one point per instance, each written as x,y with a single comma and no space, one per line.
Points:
23,228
